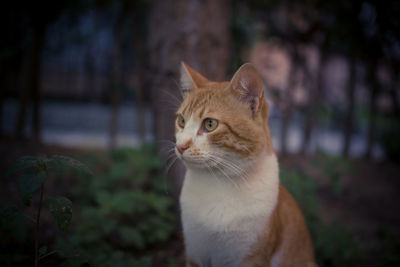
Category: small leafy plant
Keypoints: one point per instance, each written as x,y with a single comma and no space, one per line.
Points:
125,214
32,173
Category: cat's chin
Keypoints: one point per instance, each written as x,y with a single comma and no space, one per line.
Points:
195,163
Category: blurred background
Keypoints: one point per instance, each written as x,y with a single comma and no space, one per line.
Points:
98,80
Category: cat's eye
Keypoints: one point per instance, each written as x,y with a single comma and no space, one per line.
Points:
210,124
181,121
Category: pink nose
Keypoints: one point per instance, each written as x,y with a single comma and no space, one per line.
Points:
183,147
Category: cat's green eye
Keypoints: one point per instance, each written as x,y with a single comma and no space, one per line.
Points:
210,124
181,121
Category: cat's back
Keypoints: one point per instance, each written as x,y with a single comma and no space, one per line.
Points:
286,240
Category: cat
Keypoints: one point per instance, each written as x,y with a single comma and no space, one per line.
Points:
234,210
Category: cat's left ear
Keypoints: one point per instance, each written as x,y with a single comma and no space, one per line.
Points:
191,79
247,86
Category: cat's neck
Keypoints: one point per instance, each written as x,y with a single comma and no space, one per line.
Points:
205,193
258,170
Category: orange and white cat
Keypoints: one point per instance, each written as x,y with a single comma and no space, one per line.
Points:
234,210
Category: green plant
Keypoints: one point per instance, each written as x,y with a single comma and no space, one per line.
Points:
390,248
387,135
32,173
125,214
333,167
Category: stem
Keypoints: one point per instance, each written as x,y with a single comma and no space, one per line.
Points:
48,254
37,227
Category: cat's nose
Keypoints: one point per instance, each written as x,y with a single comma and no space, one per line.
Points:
181,148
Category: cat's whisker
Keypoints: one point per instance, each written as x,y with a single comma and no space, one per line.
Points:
167,169
169,105
174,96
170,156
179,87
212,172
166,152
171,101
228,163
237,171
223,172
165,145
163,142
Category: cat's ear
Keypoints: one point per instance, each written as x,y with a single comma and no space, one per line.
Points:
247,86
191,79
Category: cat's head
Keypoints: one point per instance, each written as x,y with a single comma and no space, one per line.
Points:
222,125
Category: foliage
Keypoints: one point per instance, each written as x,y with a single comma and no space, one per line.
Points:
124,212
61,209
32,173
334,245
390,255
388,136
333,167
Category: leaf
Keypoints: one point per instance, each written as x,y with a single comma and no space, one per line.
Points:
42,251
59,162
61,209
21,164
8,213
29,182
132,236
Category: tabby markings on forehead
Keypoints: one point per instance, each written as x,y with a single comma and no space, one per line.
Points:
194,104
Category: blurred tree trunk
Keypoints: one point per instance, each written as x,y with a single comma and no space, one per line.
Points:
90,74
116,78
3,85
314,99
373,86
196,32
31,85
141,83
286,115
349,119
394,87
1,111
286,100
141,107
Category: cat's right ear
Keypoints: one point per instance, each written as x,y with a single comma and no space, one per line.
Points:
191,79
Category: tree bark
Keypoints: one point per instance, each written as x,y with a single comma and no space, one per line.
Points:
349,120
31,86
141,82
287,101
314,99
116,79
196,32
373,83
286,115
141,108
394,87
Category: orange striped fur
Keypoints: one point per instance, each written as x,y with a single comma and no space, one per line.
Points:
234,210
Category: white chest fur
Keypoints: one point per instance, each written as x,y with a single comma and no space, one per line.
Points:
221,221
